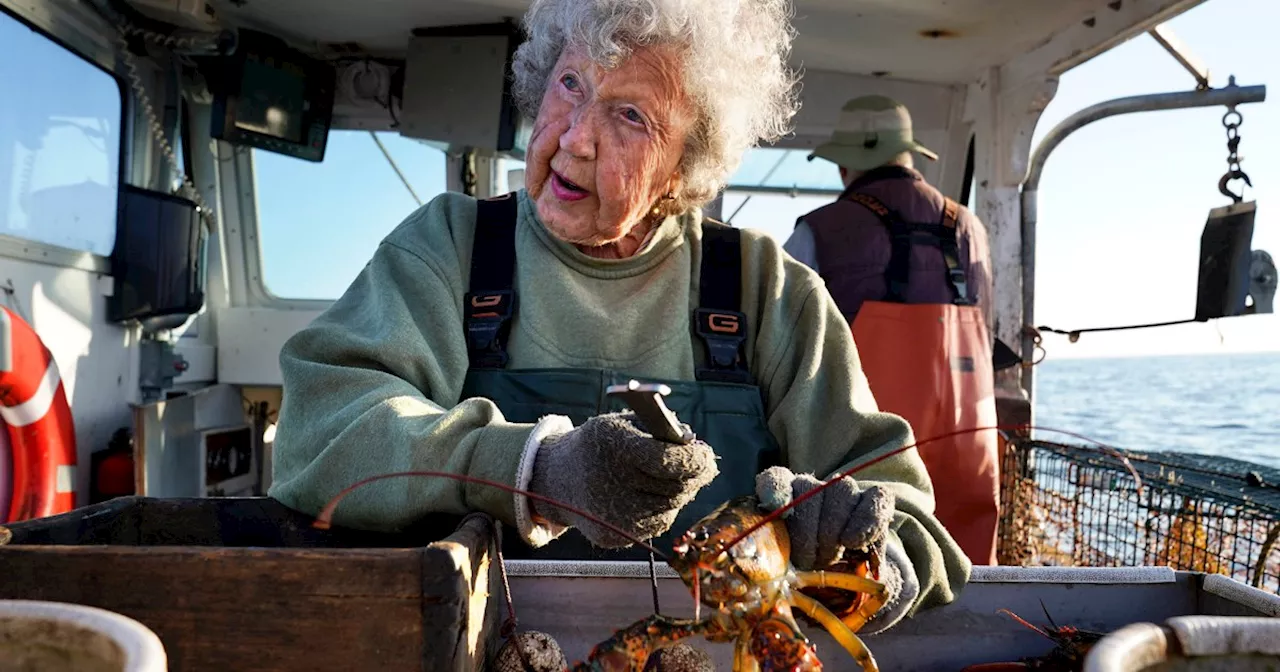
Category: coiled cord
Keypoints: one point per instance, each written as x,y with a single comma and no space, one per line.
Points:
153,120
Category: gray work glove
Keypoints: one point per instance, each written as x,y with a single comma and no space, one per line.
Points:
612,469
822,527
841,517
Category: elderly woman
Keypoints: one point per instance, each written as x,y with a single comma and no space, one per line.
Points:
481,336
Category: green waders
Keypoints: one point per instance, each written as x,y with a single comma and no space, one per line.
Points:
723,406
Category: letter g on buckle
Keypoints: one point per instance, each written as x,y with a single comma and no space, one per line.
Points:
723,323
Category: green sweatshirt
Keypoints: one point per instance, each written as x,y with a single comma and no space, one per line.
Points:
373,384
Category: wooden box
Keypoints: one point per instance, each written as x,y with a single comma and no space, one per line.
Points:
248,584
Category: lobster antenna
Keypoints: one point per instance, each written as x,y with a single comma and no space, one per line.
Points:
1024,622
1047,616
697,595
776,513
325,520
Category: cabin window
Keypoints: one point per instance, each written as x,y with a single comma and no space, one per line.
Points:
60,127
772,188
319,223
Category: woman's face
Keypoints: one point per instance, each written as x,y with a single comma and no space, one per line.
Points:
606,144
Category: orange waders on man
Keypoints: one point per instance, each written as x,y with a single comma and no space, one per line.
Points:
909,269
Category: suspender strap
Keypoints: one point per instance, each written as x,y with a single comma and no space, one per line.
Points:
487,309
717,320
902,235
898,273
951,252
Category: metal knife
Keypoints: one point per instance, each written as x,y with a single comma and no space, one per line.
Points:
654,416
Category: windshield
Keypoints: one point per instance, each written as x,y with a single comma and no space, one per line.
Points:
319,223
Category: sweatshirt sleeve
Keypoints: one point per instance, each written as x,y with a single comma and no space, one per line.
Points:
826,420
373,385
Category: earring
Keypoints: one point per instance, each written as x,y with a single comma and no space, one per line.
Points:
657,207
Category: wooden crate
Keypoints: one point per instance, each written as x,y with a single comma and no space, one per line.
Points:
247,584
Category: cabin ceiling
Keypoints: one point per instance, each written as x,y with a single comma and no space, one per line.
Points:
940,41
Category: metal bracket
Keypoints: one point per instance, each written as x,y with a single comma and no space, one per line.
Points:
159,364
1167,39
1229,96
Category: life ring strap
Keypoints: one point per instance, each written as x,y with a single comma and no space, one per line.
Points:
38,405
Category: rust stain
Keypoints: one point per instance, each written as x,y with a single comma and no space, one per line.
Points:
938,33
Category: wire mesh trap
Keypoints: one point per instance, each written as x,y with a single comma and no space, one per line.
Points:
1072,505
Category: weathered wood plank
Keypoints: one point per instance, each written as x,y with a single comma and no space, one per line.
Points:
462,625
229,608
248,584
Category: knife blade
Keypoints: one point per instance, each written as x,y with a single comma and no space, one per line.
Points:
646,399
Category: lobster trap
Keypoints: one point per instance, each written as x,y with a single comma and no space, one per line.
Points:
1072,505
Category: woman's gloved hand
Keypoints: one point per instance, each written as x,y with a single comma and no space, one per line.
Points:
822,527
612,469
844,516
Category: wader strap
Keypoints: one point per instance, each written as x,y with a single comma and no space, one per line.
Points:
487,309
898,272
951,252
717,320
902,235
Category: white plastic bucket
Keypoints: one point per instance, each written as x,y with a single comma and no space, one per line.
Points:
1190,643
60,637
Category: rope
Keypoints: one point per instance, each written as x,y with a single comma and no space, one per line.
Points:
1074,334
510,625
653,582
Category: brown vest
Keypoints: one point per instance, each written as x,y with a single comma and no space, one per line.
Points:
854,246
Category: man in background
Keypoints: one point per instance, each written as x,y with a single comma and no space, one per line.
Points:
910,271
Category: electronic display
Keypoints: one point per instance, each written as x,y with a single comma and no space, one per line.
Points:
158,262
274,98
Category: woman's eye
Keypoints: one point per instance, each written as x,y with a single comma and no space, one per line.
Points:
570,82
633,116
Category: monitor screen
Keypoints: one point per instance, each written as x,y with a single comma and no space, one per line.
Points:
272,99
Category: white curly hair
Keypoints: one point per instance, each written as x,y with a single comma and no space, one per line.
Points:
735,69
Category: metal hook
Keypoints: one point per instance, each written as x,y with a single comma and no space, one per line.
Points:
1233,175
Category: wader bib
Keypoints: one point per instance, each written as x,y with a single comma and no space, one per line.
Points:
723,406
931,364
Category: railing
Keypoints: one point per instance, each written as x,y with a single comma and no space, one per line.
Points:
1071,505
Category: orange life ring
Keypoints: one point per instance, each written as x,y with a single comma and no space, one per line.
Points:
42,438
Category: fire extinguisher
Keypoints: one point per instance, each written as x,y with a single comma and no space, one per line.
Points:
113,469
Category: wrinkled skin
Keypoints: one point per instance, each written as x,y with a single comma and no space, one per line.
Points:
617,135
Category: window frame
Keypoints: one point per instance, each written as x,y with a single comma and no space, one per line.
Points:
240,219
41,19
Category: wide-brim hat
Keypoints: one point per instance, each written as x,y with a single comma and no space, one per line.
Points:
872,130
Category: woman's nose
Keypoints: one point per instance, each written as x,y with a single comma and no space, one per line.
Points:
579,141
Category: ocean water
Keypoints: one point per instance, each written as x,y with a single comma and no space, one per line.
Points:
1226,404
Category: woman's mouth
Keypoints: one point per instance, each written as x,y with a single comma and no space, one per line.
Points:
566,190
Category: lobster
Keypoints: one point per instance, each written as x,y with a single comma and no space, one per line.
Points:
754,588
1073,644
737,561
